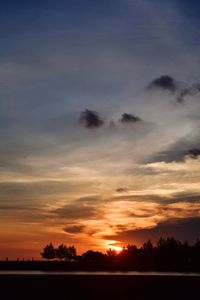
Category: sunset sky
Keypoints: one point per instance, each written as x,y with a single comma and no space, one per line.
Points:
99,123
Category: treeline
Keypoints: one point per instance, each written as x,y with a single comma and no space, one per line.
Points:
62,252
167,255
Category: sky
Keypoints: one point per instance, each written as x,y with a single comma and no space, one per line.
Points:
99,123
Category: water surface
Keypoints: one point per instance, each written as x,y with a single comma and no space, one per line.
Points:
103,273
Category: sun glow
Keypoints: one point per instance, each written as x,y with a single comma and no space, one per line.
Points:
113,246
116,248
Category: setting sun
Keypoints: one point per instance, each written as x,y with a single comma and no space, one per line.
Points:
116,248
113,246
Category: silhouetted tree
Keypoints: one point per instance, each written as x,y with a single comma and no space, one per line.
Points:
168,244
129,257
111,256
61,252
111,253
93,257
48,252
148,246
169,254
71,253
196,248
161,244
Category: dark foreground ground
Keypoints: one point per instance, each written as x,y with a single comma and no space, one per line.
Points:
71,287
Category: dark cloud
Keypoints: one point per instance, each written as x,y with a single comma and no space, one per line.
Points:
192,90
121,190
74,228
164,82
179,150
181,89
182,95
186,196
81,208
90,119
76,211
169,155
143,215
194,153
25,213
141,198
176,154
129,118
23,192
182,229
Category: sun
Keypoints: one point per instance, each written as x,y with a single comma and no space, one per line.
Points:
113,246
116,248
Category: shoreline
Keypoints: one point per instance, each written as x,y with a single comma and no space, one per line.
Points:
97,273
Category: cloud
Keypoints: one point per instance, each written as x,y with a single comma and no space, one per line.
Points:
194,153
129,118
88,200
164,82
182,229
179,197
76,211
178,152
181,89
25,213
121,190
186,197
24,192
182,95
181,148
90,119
74,229
192,90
